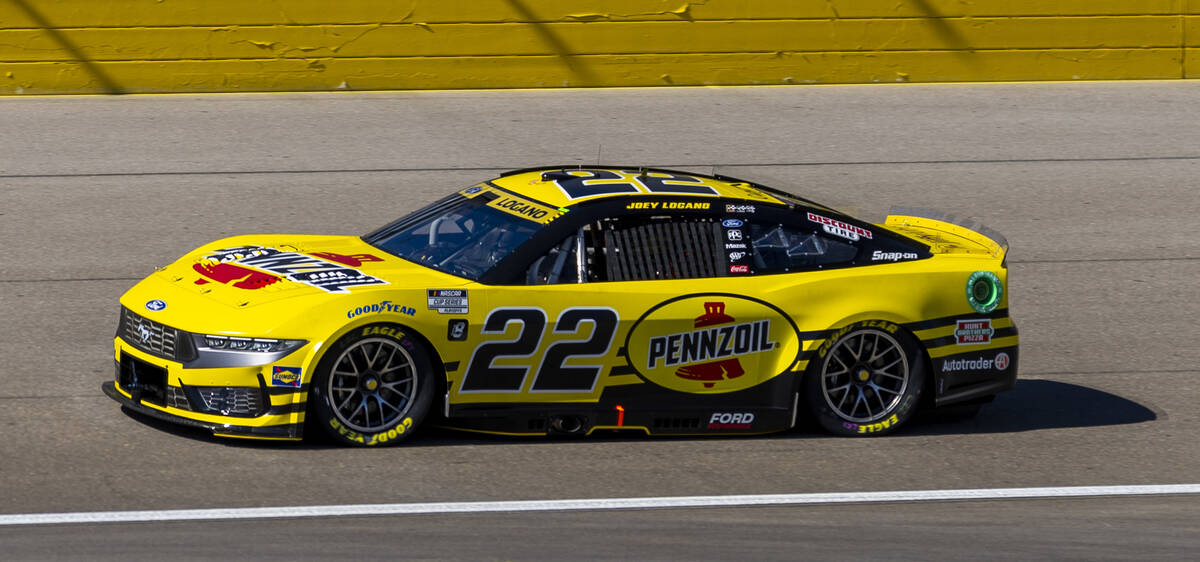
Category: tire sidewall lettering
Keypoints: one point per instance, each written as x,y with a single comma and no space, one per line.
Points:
403,426
830,419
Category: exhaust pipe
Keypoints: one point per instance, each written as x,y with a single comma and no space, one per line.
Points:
567,424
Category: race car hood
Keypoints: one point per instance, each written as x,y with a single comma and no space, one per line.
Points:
269,276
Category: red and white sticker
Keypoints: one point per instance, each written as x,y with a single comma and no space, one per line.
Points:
973,332
840,228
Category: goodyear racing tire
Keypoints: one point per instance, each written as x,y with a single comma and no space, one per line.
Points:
866,379
373,386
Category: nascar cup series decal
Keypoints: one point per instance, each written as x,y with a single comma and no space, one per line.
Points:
255,267
712,343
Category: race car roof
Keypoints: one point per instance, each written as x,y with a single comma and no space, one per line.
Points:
566,186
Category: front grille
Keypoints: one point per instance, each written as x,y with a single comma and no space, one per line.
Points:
177,398
230,401
154,338
142,380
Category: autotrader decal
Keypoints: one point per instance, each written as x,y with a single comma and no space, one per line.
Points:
998,362
255,267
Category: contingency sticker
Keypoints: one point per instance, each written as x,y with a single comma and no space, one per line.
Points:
969,332
286,376
840,228
448,301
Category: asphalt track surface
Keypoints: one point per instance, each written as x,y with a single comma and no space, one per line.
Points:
1094,184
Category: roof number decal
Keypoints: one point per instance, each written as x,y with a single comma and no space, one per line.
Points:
581,184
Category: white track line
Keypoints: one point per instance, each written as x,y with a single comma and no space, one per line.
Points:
590,504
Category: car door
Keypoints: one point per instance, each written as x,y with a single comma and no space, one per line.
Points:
639,299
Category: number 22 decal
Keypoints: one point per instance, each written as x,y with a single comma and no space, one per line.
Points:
553,375
576,185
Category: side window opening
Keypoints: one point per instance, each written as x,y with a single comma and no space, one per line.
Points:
633,249
559,265
661,248
779,248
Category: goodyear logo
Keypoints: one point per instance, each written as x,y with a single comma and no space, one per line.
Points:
712,344
525,209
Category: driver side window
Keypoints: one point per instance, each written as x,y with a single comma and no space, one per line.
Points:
779,248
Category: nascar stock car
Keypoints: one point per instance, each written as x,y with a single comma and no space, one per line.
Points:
573,300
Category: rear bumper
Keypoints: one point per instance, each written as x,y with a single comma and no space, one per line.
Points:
967,376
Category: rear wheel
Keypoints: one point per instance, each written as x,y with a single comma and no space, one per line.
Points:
373,386
866,380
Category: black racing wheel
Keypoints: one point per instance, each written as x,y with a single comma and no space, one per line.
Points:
866,379
373,386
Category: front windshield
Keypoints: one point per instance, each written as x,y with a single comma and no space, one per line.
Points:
456,235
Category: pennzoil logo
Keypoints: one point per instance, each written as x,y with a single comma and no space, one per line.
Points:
720,343
717,337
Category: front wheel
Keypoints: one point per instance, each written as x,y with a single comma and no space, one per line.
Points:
866,380
373,386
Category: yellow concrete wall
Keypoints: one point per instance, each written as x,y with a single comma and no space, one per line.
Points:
97,46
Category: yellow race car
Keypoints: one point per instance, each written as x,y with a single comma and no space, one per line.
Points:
569,300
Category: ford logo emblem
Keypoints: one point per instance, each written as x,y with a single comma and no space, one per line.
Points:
731,223
156,305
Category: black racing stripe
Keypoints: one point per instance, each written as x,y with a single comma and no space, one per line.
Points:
281,390
948,320
293,408
450,366
952,340
816,335
622,370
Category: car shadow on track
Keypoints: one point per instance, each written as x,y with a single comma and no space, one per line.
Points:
1030,405
1041,404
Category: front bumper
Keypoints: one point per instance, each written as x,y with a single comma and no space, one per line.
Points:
230,402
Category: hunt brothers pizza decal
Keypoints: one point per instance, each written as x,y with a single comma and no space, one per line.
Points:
255,267
712,343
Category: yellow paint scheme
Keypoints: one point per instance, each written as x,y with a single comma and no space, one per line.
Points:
801,308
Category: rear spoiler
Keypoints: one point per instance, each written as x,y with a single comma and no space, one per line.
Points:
950,224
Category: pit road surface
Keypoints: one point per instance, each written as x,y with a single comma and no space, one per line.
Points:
1094,184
